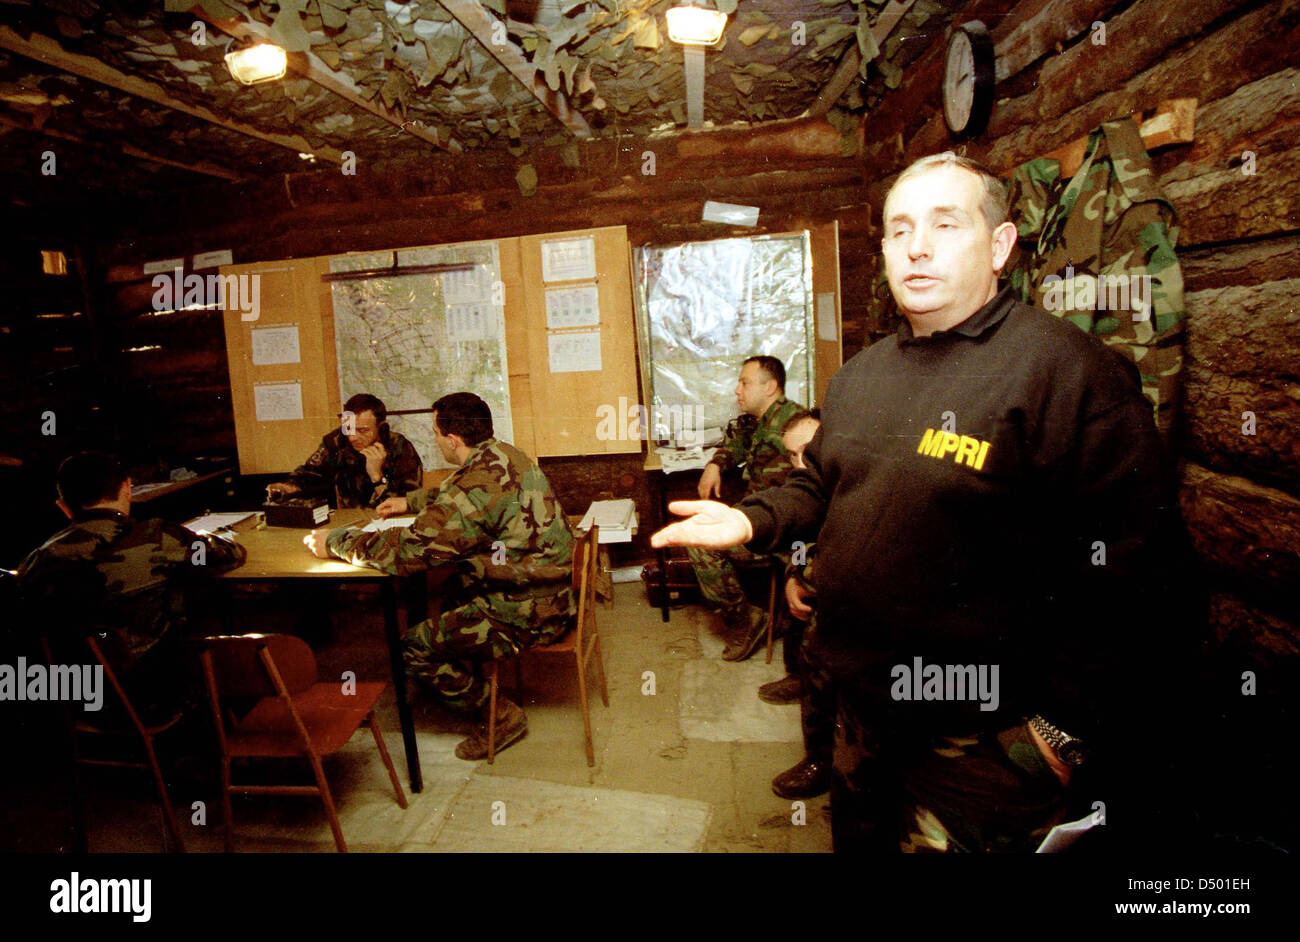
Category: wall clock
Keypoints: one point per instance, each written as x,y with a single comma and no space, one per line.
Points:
968,77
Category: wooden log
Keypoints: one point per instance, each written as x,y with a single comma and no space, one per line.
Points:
1218,266
1259,42
1240,527
1256,631
1241,396
1260,117
1227,204
48,51
1058,22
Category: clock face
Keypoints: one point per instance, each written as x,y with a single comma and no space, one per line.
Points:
959,83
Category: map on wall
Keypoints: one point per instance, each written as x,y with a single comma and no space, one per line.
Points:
410,338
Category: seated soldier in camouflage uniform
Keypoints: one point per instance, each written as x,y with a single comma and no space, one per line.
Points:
754,441
497,518
121,580
359,464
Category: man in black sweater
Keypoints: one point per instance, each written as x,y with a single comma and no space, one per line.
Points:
985,482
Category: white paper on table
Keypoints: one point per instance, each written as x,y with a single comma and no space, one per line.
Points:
693,458
575,351
470,322
466,287
210,522
391,523
278,402
1064,835
578,306
275,345
827,327
569,259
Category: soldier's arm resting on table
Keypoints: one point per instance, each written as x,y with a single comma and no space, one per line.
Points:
447,528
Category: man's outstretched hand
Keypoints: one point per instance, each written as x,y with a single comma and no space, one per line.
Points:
708,525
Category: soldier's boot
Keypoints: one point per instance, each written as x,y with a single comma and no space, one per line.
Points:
748,632
511,727
786,690
808,779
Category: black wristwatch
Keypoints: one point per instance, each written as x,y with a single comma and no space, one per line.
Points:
1070,749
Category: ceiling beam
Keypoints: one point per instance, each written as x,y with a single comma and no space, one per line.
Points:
848,69
480,24
130,150
46,50
311,67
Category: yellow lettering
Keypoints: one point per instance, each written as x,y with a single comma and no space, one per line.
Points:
950,442
927,442
967,450
979,461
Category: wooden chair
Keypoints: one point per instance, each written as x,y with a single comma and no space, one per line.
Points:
294,715
82,728
580,642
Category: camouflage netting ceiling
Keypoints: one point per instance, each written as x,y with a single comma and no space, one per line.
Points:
611,59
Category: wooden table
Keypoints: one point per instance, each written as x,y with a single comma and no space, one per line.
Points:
278,554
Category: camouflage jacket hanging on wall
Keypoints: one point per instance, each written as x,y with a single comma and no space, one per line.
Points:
1105,256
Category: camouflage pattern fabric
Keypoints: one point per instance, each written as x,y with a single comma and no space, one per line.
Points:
497,519
1105,256
817,702
716,572
123,580
758,447
976,794
337,472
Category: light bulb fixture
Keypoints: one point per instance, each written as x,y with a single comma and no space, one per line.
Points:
695,26
264,62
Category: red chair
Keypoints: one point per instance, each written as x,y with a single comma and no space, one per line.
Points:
294,715
580,642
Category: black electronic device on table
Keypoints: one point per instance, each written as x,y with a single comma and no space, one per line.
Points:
300,512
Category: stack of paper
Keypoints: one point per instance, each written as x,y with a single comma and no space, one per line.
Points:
616,519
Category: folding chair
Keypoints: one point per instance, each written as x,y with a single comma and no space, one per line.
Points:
294,715
82,728
579,642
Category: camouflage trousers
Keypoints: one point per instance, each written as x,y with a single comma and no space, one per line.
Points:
817,702
450,654
979,794
716,572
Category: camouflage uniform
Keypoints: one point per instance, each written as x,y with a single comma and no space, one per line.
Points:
1123,227
499,520
817,700
758,447
124,581
337,471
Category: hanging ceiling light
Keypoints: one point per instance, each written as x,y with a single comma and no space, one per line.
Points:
264,62
695,26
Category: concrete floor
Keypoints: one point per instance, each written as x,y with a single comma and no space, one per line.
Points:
687,768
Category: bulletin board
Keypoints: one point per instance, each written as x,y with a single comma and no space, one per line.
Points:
569,339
